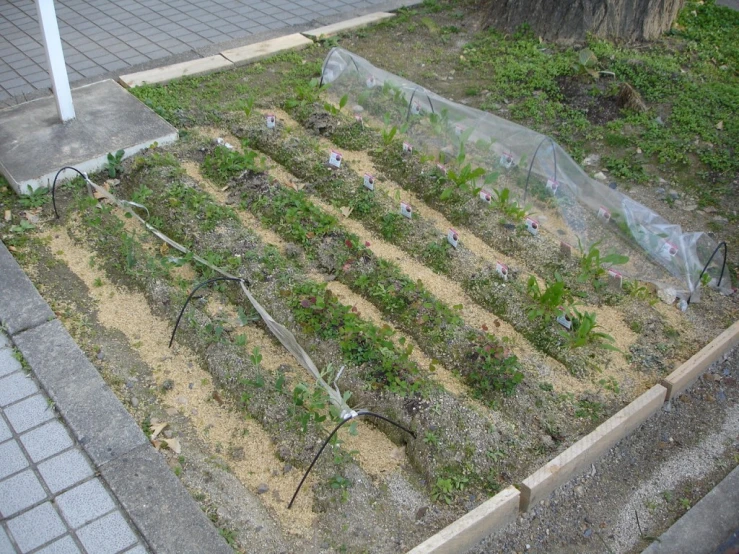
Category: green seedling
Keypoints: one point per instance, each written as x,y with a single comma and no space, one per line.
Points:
114,163
591,264
548,302
504,203
584,332
333,110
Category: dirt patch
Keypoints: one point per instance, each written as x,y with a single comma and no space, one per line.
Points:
190,389
591,98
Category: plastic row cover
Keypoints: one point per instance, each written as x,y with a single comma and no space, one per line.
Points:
567,202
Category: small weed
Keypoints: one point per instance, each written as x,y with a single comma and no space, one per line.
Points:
584,333
114,163
37,198
431,438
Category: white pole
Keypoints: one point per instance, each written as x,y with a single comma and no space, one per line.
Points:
55,59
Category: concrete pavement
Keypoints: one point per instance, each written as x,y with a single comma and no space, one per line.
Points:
102,38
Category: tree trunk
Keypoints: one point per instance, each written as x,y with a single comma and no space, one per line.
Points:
571,20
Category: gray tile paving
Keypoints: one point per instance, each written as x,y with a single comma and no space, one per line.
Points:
91,27
29,413
84,503
107,535
36,527
8,363
20,492
45,441
50,500
65,470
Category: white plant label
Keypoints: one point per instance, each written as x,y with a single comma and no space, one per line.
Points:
604,214
406,210
334,159
486,197
552,186
359,119
502,270
407,147
458,130
415,108
564,320
616,277
371,81
442,168
369,181
506,160
532,226
271,121
668,250
453,237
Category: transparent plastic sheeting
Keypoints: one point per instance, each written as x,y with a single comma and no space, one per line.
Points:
566,202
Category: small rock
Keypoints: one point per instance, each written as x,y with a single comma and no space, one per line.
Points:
287,469
673,194
283,453
721,396
168,384
261,489
579,490
667,407
168,433
612,185
275,473
587,533
134,401
690,207
421,512
591,159
357,108
101,356
181,400
600,176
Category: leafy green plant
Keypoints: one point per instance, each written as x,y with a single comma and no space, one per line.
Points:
37,198
591,264
585,63
431,438
504,203
23,227
584,332
249,106
256,357
305,94
114,165
224,163
548,302
333,110
589,409
443,490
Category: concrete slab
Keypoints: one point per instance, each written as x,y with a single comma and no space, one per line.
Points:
21,306
704,528
161,75
34,145
348,25
154,499
260,50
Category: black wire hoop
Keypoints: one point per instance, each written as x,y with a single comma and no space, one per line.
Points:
201,285
360,413
533,159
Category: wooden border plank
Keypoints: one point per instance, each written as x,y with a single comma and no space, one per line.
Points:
260,50
587,450
685,375
348,25
471,528
161,75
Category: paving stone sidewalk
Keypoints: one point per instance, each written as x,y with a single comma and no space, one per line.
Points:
50,498
104,36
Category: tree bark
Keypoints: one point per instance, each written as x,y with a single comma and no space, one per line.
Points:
572,20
